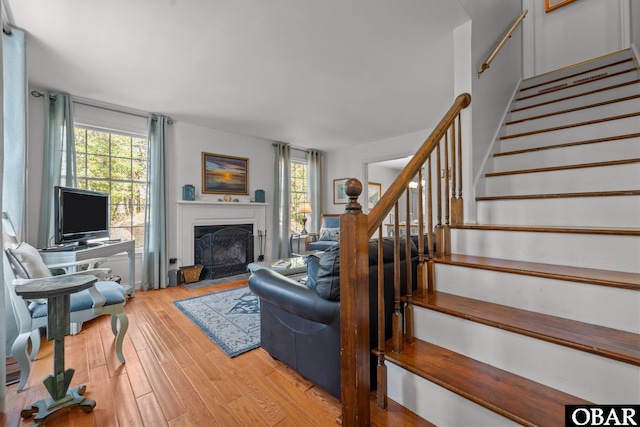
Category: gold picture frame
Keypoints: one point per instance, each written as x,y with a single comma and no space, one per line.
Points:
555,4
225,174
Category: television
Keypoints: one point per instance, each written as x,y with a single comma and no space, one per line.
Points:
80,215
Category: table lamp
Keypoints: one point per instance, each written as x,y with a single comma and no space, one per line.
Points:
304,209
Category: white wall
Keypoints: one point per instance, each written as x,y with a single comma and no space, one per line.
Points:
579,31
186,145
635,25
492,92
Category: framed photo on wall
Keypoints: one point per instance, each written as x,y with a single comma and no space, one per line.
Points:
339,196
224,174
374,192
554,4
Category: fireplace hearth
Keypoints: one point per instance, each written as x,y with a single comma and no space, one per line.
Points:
223,250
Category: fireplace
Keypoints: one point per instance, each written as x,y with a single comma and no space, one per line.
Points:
223,250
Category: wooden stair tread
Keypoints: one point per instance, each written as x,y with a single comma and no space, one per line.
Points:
395,414
571,110
572,125
606,342
568,144
618,231
553,101
564,167
570,76
507,394
561,195
608,76
617,279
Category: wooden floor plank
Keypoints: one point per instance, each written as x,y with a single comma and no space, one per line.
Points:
101,389
150,411
137,377
170,402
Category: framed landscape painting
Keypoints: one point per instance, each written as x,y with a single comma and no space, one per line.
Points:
224,174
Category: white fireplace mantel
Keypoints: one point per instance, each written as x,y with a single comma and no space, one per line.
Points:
201,213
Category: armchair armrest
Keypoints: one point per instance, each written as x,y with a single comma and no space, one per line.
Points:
293,297
311,237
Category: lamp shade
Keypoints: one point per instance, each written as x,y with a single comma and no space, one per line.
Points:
305,208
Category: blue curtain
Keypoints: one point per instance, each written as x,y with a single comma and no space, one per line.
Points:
281,200
314,187
154,267
13,130
59,158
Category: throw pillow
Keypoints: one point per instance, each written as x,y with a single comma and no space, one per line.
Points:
331,234
313,262
328,277
27,262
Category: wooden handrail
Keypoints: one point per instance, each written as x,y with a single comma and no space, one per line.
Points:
396,190
495,51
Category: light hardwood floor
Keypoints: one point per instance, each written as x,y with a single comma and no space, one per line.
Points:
175,375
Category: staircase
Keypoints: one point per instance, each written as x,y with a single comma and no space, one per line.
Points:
538,305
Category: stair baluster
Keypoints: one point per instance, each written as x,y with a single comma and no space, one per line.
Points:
381,369
408,308
397,320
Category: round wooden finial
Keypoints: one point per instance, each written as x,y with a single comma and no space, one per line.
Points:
353,189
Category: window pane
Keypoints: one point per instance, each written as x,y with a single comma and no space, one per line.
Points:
120,146
97,142
97,185
139,149
120,168
97,166
139,171
80,140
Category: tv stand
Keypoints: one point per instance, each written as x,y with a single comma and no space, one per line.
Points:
84,252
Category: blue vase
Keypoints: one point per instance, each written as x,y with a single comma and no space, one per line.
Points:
188,192
259,196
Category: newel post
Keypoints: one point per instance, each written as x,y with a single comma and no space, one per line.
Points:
355,355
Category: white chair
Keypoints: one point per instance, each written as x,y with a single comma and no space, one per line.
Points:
26,264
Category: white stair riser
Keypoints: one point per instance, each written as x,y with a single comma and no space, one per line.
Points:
574,90
607,60
437,404
604,151
602,178
578,133
600,251
606,306
567,104
568,81
611,211
591,377
588,114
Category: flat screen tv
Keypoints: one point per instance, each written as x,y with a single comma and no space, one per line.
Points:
80,215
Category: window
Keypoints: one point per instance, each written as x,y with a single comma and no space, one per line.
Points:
298,193
116,164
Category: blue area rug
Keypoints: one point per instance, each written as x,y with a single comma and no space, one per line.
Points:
230,318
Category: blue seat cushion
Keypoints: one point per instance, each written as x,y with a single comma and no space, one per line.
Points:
112,292
321,245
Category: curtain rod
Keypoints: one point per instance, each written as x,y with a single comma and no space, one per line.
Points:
38,94
304,150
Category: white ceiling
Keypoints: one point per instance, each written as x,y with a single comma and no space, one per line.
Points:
320,74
